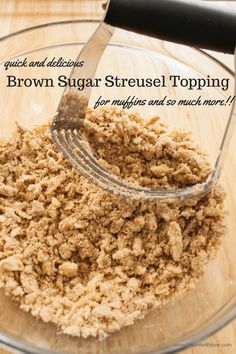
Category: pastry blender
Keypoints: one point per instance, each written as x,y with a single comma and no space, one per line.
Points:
193,23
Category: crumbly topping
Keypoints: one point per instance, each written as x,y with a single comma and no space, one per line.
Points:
91,262
145,152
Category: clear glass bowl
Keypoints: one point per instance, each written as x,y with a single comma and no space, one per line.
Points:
199,313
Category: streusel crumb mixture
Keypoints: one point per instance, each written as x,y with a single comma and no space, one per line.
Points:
146,153
91,262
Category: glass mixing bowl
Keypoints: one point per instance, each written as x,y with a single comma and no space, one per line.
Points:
199,313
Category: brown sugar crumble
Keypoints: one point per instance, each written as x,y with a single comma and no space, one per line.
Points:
91,262
146,153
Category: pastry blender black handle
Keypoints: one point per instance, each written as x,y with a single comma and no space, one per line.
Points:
190,22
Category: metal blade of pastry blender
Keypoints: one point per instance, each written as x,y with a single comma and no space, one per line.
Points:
70,117
150,17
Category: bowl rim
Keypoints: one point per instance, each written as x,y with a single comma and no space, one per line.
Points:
187,341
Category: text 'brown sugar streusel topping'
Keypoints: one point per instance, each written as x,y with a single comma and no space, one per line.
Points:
91,262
